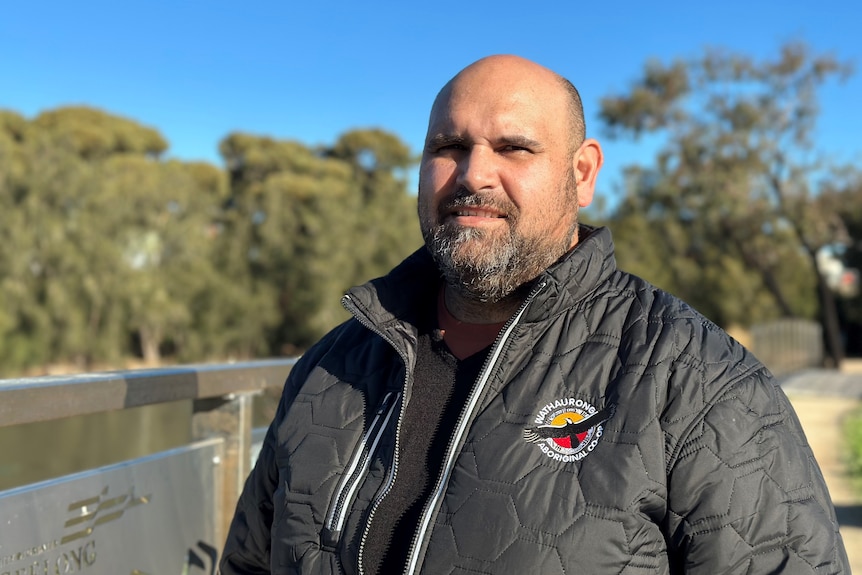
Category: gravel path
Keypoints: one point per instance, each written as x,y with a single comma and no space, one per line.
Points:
822,400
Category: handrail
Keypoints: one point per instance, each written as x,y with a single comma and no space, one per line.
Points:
44,398
221,399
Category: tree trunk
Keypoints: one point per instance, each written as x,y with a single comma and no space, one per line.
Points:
833,346
150,345
753,262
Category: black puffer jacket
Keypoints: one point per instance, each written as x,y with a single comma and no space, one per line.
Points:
612,430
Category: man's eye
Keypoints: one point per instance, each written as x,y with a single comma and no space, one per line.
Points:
451,147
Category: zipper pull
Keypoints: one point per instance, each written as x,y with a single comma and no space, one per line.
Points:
329,539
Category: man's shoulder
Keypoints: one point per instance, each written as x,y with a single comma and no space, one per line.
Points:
689,337
343,336
651,302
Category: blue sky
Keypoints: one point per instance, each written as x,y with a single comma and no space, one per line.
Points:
197,70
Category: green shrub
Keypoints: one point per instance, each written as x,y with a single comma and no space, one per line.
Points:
853,438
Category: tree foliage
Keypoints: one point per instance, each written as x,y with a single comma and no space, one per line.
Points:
109,251
732,203
343,211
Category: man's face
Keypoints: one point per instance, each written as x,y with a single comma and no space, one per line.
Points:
497,191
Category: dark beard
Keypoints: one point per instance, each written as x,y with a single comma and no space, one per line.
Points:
506,264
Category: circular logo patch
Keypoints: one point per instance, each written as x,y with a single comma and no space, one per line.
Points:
568,429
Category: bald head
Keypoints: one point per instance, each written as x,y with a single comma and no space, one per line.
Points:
504,171
513,73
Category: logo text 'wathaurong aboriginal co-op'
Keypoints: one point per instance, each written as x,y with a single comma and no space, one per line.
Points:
568,429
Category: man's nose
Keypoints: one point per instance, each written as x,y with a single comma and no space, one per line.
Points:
477,170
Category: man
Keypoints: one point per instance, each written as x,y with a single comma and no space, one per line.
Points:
507,401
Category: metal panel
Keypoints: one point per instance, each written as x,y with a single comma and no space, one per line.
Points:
149,516
258,434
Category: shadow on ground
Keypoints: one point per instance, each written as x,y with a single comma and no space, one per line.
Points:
849,515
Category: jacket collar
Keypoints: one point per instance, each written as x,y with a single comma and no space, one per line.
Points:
576,275
396,300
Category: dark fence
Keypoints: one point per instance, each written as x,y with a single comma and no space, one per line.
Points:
788,345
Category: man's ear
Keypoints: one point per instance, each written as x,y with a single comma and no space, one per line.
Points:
587,163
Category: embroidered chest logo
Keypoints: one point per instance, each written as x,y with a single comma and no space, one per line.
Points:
568,429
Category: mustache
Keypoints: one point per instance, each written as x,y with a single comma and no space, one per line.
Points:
463,198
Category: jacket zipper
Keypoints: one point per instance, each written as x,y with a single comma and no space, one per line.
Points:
390,481
348,304
460,429
358,466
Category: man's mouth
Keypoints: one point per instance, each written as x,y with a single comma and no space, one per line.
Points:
474,212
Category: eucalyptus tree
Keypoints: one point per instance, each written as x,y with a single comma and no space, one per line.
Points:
735,180
157,218
39,258
21,318
108,248
310,222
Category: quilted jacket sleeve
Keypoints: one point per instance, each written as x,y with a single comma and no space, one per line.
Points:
247,550
745,493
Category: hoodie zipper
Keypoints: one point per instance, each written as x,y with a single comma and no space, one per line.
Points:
358,467
350,306
460,430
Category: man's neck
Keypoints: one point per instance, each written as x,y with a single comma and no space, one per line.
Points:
468,310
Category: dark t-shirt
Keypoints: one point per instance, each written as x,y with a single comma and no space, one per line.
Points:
441,385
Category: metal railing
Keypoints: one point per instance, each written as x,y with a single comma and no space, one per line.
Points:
221,396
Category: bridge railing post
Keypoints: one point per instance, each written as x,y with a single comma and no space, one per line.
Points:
228,417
